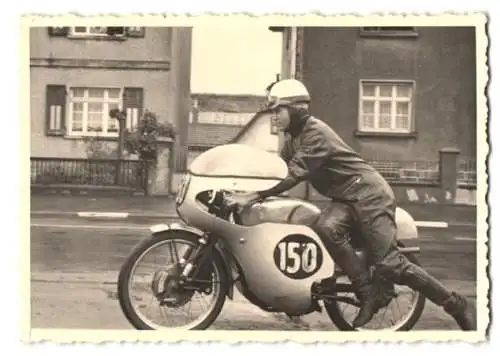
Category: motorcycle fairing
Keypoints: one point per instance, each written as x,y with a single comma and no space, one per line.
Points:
277,266
243,168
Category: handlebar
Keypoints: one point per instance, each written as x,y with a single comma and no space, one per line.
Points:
217,203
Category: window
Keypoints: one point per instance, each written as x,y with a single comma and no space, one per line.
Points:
386,107
81,111
89,111
97,31
388,31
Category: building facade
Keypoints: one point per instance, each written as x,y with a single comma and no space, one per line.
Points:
395,94
390,92
78,74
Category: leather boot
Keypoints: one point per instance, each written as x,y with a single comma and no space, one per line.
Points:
415,277
345,256
456,305
453,303
373,297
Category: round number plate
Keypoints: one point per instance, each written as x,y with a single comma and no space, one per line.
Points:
298,256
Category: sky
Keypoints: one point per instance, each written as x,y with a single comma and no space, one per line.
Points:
242,60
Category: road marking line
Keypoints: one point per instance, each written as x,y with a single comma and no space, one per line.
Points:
51,212
437,224
463,238
96,227
92,214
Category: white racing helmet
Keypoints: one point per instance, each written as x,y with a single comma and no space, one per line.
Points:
286,92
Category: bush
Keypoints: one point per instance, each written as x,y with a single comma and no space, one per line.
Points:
142,141
97,149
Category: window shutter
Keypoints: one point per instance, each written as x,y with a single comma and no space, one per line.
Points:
136,32
133,106
58,31
55,110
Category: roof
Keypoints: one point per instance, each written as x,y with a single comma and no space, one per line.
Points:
247,127
210,135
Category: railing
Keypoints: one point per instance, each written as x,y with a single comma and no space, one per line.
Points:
89,172
408,172
467,173
134,174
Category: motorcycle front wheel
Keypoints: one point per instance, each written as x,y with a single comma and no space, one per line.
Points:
166,293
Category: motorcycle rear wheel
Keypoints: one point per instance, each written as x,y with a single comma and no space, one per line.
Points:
336,315
127,269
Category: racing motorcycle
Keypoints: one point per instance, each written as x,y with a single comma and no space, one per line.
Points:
275,261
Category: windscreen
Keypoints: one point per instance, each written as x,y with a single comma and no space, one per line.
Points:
237,160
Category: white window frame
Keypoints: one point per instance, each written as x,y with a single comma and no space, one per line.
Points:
394,99
106,100
90,34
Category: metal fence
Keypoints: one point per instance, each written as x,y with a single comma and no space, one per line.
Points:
408,172
134,174
425,172
467,173
89,172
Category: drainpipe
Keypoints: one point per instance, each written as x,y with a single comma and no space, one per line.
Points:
293,72
290,58
293,51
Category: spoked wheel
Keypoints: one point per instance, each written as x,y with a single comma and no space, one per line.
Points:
401,314
152,294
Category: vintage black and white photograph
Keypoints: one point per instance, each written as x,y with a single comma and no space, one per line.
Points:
301,175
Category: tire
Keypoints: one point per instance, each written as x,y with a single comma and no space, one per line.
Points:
128,267
336,316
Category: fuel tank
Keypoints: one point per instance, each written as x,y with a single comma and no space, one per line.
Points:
280,211
299,212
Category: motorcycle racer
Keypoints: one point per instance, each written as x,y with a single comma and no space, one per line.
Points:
314,152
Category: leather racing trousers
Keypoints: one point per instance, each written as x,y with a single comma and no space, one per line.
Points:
370,203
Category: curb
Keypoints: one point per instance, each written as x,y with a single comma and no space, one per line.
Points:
96,215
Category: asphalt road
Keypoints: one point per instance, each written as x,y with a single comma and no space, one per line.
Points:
74,265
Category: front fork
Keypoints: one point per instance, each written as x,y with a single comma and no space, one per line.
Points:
195,257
